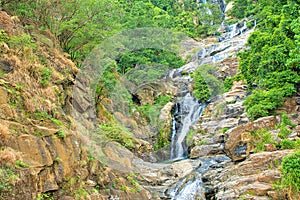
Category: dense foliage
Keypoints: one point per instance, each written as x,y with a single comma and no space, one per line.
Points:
80,25
291,173
185,16
134,59
206,84
271,64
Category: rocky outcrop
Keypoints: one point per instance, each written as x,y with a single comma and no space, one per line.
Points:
6,23
148,92
239,141
226,112
220,115
42,145
252,178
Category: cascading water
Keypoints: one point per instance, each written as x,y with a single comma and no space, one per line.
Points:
187,112
191,187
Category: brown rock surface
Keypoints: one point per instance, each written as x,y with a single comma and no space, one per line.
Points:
6,23
238,145
253,176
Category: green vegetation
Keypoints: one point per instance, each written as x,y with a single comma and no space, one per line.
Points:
56,121
271,63
228,82
283,126
132,179
290,168
183,16
21,42
7,177
45,196
132,59
287,144
263,102
151,112
189,137
20,163
117,133
202,142
262,137
46,75
61,134
3,36
81,25
201,90
205,83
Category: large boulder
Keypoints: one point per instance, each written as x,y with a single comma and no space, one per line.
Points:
206,150
239,139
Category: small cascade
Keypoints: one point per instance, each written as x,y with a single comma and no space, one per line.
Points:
193,186
187,112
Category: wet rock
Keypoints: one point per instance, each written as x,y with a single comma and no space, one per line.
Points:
206,150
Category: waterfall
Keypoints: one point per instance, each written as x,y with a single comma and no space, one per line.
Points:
192,187
187,112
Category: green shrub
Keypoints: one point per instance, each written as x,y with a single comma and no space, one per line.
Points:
117,133
46,74
287,144
56,121
201,90
61,134
286,121
20,42
262,137
228,82
262,103
297,144
151,112
20,163
205,83
284,131
290,168
41,115
3,36
148,57
189,137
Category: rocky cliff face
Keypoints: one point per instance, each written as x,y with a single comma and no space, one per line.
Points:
42,152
